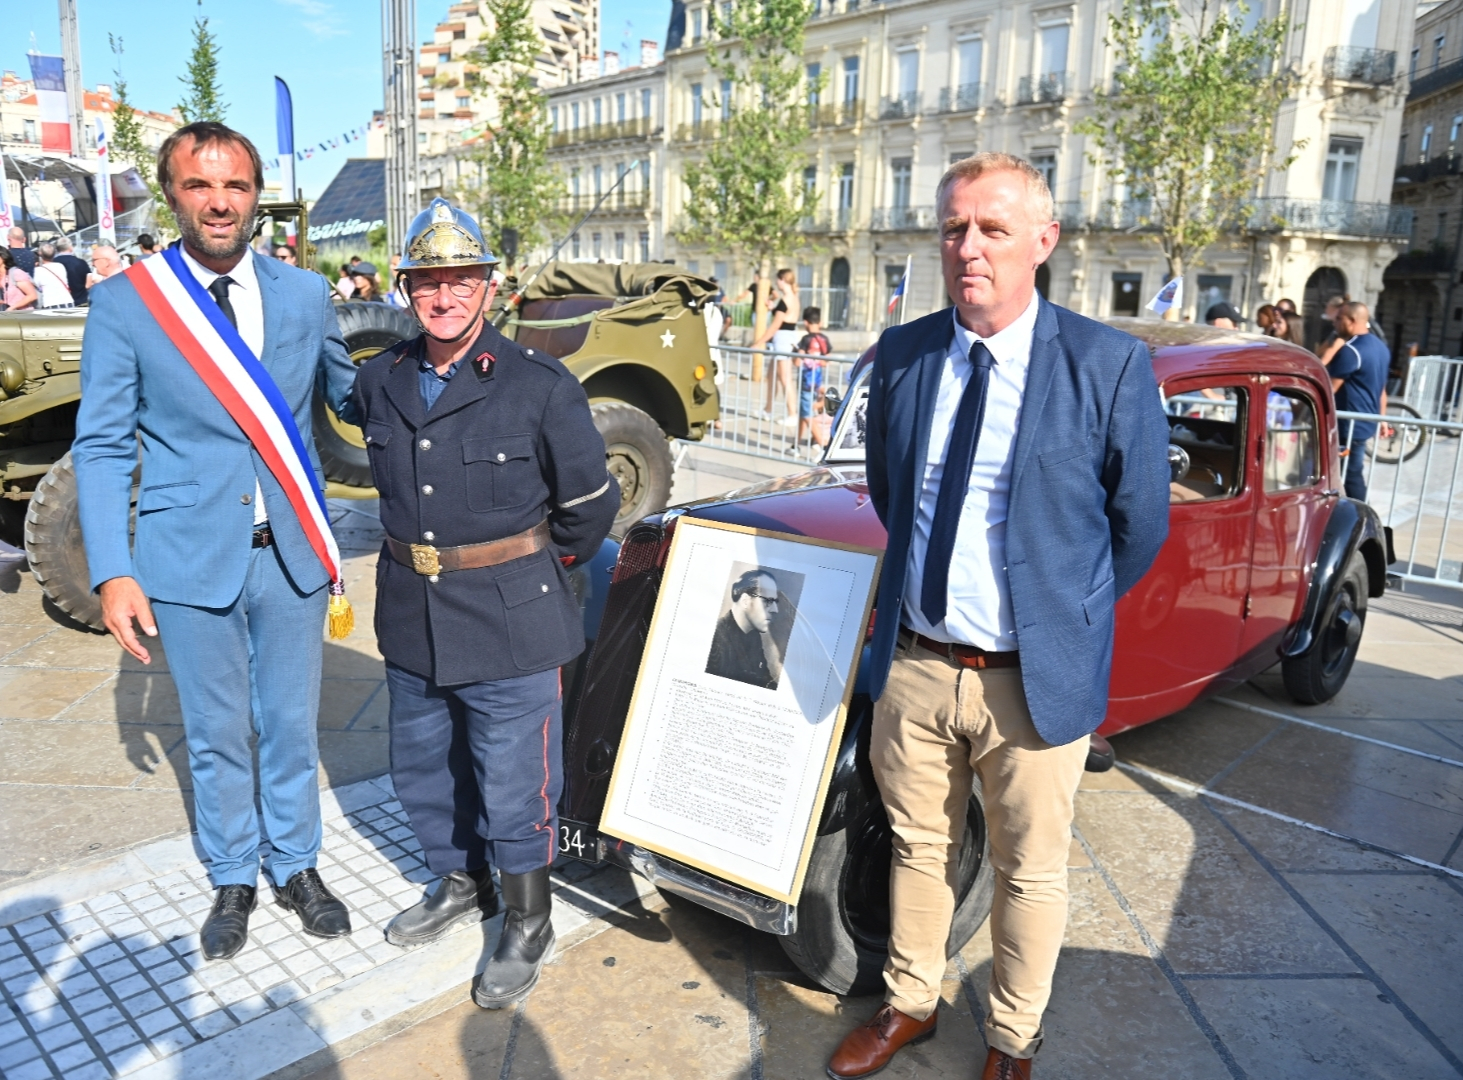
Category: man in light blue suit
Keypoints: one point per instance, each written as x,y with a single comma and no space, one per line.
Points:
221,564
1017,456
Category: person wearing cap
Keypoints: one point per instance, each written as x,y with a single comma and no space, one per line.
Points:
1223,315
363,277
493,483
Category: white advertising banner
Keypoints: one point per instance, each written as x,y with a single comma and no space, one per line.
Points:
106,224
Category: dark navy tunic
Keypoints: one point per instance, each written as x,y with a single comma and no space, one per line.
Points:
508,443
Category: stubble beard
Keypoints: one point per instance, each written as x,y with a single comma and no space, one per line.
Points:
191,229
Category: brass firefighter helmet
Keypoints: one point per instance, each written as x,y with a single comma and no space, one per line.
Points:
442,235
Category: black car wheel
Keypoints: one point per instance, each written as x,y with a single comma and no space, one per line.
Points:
842,939
1320,672
367,328
638,456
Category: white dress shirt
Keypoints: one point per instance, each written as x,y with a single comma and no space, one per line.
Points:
978,596
249,312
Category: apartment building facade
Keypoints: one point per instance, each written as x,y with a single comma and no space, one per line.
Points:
910,85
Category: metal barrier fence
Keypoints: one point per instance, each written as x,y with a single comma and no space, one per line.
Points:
1434,388
772,403
1412,472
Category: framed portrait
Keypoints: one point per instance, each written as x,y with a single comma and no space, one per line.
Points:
846,446
740,701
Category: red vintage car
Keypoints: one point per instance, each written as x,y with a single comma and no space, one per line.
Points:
1266,561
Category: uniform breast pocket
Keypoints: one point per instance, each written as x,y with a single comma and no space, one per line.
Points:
378,437
500,471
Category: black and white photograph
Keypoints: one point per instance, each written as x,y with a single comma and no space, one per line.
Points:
757,618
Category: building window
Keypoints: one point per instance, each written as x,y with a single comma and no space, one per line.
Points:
421,138
1438,43
695,104
1213,289
726,96
1342,163
30,130
645,176
1053,50
574,112
805,276
960,155
574,245
850,79
1412,64
810,184
620,246
644,247
718,270
574,186
444,58
1442,227
596,245
620,108
908,70
693,266
1046,164
598,111
1427,142
554,119
1127,292
696,27
902,172
969,57
815,72
599,175
845,186
1402,149
645,104
1453,131
464,101
459,35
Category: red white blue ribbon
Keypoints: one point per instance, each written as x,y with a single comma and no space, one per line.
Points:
196,325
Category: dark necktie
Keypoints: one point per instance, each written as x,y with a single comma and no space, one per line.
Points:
220,291
954,484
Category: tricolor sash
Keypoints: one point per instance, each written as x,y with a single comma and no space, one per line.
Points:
196,325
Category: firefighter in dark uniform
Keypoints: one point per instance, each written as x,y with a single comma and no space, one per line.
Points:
493,482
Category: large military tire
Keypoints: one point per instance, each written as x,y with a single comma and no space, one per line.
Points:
367,328
53,543
639,458
1318,674
842,939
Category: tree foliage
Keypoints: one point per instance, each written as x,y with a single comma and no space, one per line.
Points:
1189,124
515,186
743,194
127,145
202,98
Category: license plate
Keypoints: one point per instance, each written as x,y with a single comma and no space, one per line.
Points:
579,841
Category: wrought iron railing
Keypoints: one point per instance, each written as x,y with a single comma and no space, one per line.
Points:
619,200
903,218
960,98
1351,63
902,107
1330,216
1442,165
635,127
1039,89
1439,78
833,220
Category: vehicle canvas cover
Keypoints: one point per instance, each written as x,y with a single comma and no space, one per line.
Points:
644,292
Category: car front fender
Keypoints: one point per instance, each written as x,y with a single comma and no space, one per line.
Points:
1353,526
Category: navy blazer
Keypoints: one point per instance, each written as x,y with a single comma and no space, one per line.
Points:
1088,506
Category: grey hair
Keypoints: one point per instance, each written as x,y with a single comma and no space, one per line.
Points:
46,251
994,161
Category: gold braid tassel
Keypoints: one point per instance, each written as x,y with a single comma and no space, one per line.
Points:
340,617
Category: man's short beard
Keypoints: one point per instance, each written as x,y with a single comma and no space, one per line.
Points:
194,237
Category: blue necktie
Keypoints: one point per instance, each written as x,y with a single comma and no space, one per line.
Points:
954,484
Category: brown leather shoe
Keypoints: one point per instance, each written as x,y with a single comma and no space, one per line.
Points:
867,1048
1002,1066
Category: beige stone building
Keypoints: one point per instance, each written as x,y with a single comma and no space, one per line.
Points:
910,85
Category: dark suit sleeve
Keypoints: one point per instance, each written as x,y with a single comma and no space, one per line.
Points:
584,497
1135,472
876,464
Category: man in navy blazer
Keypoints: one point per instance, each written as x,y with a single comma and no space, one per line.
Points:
1016,455
221,564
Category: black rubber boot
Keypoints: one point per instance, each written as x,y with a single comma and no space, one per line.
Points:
461,896
527,942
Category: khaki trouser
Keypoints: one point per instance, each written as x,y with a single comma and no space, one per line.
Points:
936,726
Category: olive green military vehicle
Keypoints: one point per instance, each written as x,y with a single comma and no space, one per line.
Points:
634,334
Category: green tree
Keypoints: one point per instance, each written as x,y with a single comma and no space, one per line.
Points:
742,194
202,99
128,147
515,187
1188,127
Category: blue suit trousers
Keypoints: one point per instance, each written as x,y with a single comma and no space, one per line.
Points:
479,768
245,673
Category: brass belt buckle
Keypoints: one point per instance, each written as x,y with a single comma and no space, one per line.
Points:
424,560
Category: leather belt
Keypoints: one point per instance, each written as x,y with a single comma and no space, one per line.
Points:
263,536
430,561
965,655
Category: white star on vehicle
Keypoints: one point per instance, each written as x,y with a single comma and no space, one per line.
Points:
667,340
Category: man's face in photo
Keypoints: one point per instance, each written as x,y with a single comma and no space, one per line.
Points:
760,605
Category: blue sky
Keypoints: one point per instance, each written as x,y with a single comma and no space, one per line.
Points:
329,51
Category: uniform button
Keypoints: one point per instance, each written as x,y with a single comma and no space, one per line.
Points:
432,578
502,457
429,536
425,444
368,438
426,489
545,588
246,499
528,351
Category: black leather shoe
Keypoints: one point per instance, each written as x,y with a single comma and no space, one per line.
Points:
461,896
320,912
527,942
227,926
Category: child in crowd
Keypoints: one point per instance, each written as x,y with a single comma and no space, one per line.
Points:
811,367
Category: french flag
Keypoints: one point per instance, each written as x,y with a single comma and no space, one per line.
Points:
49,75
899,291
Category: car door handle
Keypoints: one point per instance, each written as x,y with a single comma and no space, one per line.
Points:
1331,493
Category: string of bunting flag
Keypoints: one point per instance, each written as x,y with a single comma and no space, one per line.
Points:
345,138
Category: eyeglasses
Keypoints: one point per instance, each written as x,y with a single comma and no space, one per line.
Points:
770,601
461,287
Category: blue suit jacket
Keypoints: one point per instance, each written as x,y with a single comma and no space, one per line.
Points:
1089,498
193,525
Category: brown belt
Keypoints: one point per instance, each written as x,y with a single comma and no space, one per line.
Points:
430,561
966,655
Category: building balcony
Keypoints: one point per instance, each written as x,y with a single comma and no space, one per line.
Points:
903,219
1439,78
1427,263
829,221
635,201
1418,171
839,115
1349,63
1382,220
903,107
705,130
1047,89
637,127
961,98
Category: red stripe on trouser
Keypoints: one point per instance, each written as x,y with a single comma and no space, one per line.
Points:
543,792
